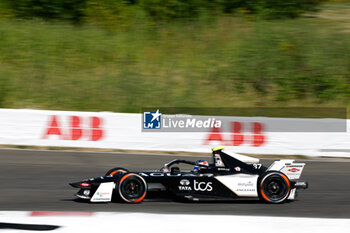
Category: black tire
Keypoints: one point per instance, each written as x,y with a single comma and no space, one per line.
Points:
116,170
274,187
132,188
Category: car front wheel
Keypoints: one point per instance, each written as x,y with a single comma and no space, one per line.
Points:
132,188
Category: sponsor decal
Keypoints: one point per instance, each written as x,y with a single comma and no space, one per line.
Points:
256,137
184,182
159,174
104,192
197,186
245,190
218,161
223,169
101,199
293,169
300,183
185,185
85,184
202,186
101,196
79,128
246,184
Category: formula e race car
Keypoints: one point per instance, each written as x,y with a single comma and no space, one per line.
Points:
226,178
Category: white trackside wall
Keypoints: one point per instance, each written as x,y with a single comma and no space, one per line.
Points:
124,131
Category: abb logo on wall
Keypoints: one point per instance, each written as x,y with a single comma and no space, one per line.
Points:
78,128
237,138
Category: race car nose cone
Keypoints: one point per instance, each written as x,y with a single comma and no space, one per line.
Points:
74,184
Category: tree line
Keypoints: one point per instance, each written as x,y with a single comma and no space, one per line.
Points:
157,10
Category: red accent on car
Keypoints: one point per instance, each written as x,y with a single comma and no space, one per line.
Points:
293,169
85,184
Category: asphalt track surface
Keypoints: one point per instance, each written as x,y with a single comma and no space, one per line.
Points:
38,180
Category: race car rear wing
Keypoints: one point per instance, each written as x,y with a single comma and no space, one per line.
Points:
223,160
288,167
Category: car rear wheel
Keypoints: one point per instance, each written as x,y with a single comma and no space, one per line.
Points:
116,170
132,188
274,187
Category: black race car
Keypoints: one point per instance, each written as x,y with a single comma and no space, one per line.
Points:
226,178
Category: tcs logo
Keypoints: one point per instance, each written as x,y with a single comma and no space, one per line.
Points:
92,130
237,137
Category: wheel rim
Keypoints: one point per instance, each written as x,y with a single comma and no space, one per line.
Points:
275,188
132,188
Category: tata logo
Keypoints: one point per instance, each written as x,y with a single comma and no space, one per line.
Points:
203,186
185,185
187,188
293,169
184,182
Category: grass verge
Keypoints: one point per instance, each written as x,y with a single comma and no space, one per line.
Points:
222,62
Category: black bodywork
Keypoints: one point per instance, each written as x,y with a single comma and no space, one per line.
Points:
190,185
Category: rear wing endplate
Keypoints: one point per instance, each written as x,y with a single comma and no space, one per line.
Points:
288,167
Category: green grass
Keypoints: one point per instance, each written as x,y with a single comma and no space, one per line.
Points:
223,62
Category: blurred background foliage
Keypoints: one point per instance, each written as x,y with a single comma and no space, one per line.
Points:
75,10
48,9
114,55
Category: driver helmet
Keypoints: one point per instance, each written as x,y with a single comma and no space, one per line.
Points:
201,164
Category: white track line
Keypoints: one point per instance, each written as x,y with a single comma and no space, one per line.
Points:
170,223
326,160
